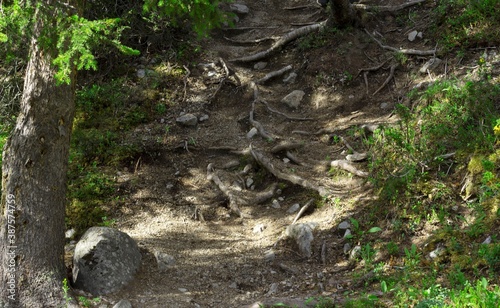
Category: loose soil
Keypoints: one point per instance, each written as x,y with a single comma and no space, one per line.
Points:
170,206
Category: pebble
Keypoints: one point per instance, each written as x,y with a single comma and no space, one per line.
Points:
275,204
252,133
294,208
344,225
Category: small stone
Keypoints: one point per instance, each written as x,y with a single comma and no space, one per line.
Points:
204,118
275,204
183,290
141,73
249,182
252,133
187,119
355,253
239,8
290,78
344,225
420,35
412,35
123,303
384,105
70,233
487,240
294,208
347,248
260,65
347,233
294,98
269,255
281,199
357,157
286,160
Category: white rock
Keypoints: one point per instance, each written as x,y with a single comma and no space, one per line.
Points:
70,233
123,303
294,208
412,35
286,160
487,240
347,233
183,290
252,133
430,65
344,225
269,255
249,182
141,73
294,98
239,8
204,117
258,228
164,261
275,204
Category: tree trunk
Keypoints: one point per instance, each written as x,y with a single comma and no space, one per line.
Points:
33,199
343,14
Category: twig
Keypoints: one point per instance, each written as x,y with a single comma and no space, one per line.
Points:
346,165
302,210
323,253
293,158
137,164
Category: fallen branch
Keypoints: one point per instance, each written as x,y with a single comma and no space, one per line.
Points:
404,51
282,41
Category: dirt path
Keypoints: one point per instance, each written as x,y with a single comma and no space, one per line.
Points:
222,260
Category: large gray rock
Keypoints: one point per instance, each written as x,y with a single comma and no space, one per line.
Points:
188,119
105,260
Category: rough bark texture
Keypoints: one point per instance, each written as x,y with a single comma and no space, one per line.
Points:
343,14
34,187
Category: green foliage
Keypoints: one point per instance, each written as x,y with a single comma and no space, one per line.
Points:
465,23
481,295
204,15
79,37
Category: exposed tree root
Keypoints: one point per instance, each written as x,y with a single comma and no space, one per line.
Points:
286,146
283,114
238,198
303,210
404,51
282,42
391,75
294,179
385,8
274,74
253,42
347,166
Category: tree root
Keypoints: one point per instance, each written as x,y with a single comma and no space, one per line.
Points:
282,41
347,166
391,75
274,74
303,210
404,51
283,114
239,198
294,179
384,8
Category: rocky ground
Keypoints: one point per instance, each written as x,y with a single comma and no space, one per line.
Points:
221,244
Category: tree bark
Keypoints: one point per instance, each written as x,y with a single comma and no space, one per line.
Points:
343,14
34,170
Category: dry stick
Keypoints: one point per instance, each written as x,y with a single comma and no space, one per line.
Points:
300,7
384,8
391,75
404,51
323,252
283,114
282,41
302,210
274,74
365,77
294,179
